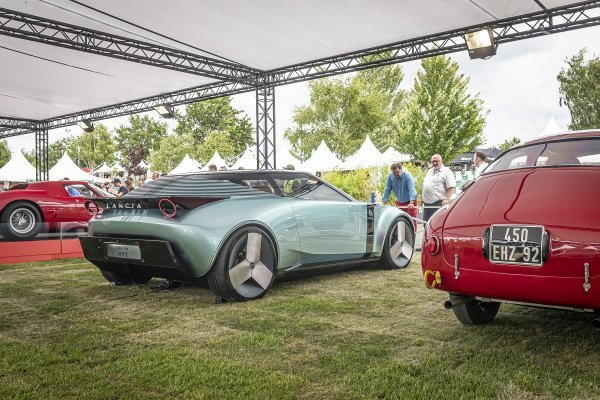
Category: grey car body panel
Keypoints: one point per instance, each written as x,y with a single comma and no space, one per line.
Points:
304,231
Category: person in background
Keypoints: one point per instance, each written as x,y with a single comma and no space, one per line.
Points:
118,190
155,175
141,181
438,187
129,185
71,191
222,168
479,160
403,185
212,168
290,167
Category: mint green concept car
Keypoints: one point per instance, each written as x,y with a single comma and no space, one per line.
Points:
240,229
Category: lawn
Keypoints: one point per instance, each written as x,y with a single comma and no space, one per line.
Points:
65,333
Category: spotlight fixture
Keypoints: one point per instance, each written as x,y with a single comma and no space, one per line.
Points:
86,125
481,43
165,110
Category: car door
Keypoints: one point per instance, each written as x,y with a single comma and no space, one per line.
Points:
331,226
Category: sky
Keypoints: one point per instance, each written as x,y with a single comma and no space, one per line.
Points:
518,86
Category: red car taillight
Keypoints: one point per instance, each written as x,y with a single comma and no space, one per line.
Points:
433,245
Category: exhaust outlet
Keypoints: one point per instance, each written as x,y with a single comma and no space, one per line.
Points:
456,301
596,324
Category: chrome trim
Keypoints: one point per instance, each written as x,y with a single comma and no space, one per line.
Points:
586,277
456,271
523,303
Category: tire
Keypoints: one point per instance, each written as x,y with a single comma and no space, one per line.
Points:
476,312
398,249
20,221
123,279
244,272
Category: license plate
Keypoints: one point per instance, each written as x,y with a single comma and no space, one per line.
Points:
516,244
130,252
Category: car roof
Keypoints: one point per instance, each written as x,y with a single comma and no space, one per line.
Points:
565,135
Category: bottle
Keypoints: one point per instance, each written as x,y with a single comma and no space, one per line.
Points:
372,197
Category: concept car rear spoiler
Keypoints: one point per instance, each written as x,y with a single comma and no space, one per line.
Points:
167,205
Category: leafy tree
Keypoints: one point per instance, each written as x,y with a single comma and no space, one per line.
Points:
30,156
171,151
4,153
58,148
343,111
580,91
440,116
133,156
216,115
142,136
95,147
216,141
509,143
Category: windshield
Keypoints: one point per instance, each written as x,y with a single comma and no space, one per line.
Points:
576,152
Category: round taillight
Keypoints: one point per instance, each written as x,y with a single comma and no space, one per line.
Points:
91,207
167,207
433,245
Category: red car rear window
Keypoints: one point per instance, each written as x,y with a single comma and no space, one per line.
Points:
576,152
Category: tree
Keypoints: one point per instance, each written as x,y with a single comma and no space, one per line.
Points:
343,111
4,153
509,143
94,147
58,148
580,91
440,116
216,115
142,136
171,151
216,141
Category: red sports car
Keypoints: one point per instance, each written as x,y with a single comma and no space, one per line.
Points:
527,231
28,208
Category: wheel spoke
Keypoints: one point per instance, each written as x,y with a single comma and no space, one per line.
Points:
401,228
240,273
407,250
253,247
262,275
395,250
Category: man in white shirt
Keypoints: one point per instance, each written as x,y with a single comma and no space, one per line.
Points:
479,162
438,187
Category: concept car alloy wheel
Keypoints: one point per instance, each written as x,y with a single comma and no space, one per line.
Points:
399,244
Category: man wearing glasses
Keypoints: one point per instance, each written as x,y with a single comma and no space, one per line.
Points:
438,187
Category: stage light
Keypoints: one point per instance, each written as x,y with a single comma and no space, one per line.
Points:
481,43
86,125
165,110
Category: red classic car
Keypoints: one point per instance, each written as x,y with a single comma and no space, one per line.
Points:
527,231
28,208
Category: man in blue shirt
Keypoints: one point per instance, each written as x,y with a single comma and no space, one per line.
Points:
403,185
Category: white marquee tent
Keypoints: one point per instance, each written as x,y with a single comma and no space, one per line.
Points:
217,160
247,160
322,159
366,156
103,169
392,155
551,128
186,166
284,158
66,168
17,169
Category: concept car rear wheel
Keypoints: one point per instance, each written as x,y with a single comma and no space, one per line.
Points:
399,244
476,312
245,268
20,221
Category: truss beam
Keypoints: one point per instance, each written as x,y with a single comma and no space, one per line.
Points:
38,29
265,126
41,153
536,24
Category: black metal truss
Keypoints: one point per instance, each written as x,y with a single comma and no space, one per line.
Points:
535,24
195,94
38,29
265,127
41,153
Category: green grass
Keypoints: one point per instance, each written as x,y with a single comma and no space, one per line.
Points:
363,334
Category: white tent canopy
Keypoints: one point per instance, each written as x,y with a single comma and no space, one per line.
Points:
284,158
247,160
66,168
551,128
117,167
217,160
186,165
392,155
103,169
366,156
17,169
322,159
